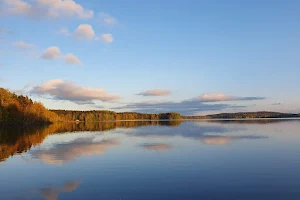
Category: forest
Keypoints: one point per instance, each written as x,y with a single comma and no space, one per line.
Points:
21,109
103,115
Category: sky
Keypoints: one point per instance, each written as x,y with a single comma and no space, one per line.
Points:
195,57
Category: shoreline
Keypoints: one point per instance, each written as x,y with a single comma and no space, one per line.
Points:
145,120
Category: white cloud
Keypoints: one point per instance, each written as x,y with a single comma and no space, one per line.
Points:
186,107
107,19
23,45
71,59
107,38
215,97
156,92
54,53
84,31
47,8
87,32
17,7
51,53
66,90
193,106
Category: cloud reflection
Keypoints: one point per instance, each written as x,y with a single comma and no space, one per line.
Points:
62,153
221,140
156,146
52,193
191,130
206,132
218,140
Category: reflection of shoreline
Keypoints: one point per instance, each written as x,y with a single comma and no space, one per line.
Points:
20,139
245,120
106,126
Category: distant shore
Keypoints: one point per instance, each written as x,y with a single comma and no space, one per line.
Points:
246,115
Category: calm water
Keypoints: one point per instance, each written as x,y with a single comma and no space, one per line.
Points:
254,159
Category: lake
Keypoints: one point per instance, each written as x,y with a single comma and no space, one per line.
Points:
147,160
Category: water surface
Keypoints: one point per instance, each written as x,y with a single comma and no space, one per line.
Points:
242,159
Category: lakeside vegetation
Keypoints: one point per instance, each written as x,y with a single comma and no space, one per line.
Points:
21,109
103,115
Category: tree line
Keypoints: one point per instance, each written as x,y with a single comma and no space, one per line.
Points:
21,109
245,115
103,115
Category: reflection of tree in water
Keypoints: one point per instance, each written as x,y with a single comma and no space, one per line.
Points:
170,123
20,139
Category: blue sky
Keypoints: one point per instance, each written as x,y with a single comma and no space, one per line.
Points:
194,57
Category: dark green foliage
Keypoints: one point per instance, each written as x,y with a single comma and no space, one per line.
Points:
262,114
170,116
136,116
72,115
